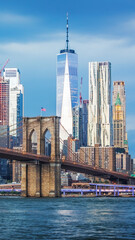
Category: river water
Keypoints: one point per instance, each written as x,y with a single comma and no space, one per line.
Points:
67,218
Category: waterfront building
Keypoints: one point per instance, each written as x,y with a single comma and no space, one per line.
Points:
66,179
5,167
16,168
99,110
16,105
119,115
66,87
16,171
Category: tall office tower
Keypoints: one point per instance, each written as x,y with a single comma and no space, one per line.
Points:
99,110
85,121
4,101
67,87
16,104
4,124
119,115
78,124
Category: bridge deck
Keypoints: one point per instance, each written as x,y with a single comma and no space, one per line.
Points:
67,165
22,156
99,172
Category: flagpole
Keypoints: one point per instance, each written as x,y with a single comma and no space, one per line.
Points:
41,112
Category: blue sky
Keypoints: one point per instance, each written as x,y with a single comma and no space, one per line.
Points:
33,32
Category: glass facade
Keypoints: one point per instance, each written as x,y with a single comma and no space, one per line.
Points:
72,59
4,101
16,105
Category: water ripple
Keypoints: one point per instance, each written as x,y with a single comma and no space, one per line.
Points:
67,218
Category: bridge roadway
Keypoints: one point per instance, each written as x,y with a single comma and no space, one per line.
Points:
22,156
67,165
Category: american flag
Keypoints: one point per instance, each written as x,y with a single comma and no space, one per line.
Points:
43,109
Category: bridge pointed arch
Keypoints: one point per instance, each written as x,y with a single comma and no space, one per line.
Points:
33,142
47,142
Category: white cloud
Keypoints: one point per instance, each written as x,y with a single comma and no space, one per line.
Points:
37,63
130,25
89,48
10,18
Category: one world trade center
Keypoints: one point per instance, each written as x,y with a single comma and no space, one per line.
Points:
66,87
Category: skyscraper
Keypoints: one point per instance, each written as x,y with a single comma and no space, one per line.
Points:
99,110
85,121
67,87
4,101
4,125
78,124
119,115
16,103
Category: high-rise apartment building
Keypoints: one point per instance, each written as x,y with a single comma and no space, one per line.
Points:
119,115
67,87
16,103
85,121
99,110
78,124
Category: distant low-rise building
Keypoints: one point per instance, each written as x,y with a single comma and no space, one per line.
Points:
124,162
16,168
66,179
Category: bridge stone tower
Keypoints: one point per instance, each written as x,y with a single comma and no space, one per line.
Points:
41,179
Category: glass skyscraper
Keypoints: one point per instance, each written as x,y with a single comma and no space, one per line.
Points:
67,87
16,104
72,59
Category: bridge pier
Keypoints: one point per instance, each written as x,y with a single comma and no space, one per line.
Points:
41,180
24,169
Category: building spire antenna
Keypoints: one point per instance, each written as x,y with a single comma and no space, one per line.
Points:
67,41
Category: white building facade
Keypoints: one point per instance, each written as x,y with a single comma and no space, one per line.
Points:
99,109
16,103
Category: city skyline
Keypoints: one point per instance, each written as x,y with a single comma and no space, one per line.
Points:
35,38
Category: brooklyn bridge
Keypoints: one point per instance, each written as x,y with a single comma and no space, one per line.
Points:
41,174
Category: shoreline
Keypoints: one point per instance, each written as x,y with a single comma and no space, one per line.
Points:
70,196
